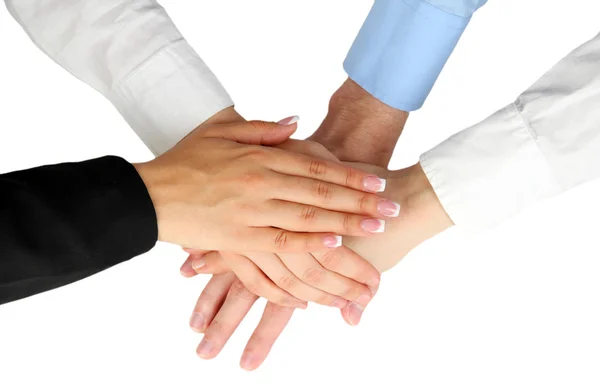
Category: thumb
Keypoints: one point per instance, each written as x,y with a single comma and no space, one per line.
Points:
256,132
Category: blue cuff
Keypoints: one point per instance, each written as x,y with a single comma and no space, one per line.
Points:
401,50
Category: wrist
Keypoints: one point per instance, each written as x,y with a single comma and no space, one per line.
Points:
421,218
359,127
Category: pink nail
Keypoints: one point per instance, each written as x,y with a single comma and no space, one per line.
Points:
373,225
332,241
355,312
388,208
205,349
374,184
197,322
187,269
198,264
247,361
289,121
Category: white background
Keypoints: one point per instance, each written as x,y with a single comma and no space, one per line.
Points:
515,307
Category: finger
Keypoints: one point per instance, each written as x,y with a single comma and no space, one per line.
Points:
256,282
333,197
274,320
211,263
238,302
210,301
312,273
300,165
352,313
306,218
187,269
274,268
309,148
349,264
254,132
276,240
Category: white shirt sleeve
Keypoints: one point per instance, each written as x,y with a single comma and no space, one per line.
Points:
545,143
130,51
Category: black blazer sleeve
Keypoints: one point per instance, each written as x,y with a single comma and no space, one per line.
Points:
62,223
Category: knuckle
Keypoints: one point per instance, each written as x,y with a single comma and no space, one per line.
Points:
308,214
281,239
275,310
364,202
249,291
252,178
323,190
351,177
332,259
288,282
314,275
347,223
317,168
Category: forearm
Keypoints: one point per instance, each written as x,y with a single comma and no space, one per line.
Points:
359,127
421,217
133,54
62,223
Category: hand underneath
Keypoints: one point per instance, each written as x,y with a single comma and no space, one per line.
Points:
225,301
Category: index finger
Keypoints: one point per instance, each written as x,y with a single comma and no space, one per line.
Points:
347,263
296,164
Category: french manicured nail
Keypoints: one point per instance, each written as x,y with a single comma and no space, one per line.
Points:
205,349
373,225
247,362
289,121
355,312
332,241
197,322
388,208
363,300
374,184
198,264
339,303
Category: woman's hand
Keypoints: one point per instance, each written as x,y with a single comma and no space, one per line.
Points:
219,189
225,301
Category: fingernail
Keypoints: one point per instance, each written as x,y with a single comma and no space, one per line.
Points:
198,264
388,208
354,313
373,225
289,121
332,241
373,284
363,300
247,361
187,269
339,303
205,349
374,184
197,322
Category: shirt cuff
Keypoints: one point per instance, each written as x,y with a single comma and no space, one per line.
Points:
401,50
489,172
168,96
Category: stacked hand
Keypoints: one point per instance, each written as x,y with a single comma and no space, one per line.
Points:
337,277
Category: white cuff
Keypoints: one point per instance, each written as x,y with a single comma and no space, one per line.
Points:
172,93
487,173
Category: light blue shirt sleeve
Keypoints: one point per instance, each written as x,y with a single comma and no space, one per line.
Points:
403,46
